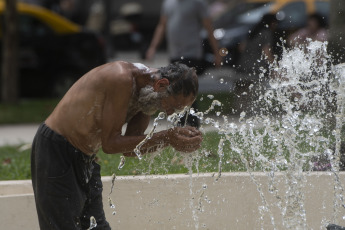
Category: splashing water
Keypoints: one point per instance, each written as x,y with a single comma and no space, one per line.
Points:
110,201
296,117
93,223
161,116
122,162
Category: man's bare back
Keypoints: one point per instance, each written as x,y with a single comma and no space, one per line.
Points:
93,111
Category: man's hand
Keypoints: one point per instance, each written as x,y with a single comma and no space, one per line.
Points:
185,139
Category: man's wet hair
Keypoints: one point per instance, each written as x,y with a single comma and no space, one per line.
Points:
182,78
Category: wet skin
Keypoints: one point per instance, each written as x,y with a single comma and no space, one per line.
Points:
92,113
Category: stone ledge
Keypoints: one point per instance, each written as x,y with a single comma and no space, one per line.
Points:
184,202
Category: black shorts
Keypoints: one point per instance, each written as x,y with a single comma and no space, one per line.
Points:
66,182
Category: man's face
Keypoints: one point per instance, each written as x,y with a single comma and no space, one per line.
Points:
149,101
176,103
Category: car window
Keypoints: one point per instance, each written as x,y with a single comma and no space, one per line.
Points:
254,16
293,15
230,17
322,8
32,27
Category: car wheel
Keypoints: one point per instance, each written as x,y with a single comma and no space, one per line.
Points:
63,82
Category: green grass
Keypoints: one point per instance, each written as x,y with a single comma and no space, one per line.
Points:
227,100
27,111
15,163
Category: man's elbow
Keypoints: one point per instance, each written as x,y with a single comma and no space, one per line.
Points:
110,148
107,150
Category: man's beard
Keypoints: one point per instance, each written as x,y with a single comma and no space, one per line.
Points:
148,102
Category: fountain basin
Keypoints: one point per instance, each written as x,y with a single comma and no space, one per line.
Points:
182,202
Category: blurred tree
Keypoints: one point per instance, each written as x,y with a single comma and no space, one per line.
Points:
337,31
9,78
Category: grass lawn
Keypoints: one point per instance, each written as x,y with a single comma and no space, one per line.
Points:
27,111
15,163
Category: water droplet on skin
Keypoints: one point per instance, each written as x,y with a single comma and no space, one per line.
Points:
160,116
93,223
122,162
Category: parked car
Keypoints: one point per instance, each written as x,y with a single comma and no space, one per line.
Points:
53,51
234,25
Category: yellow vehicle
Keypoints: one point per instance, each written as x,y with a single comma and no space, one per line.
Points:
57,23
53,51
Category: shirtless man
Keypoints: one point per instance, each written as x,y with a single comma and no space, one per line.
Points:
66,180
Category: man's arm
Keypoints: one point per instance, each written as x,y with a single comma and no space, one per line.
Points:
118,91
173,137
137,125
157,37
207,23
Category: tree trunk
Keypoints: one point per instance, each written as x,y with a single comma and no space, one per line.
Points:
10,71
337,31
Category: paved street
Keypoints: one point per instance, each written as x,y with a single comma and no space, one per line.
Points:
17,134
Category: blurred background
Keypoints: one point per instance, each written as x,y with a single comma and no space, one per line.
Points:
46,45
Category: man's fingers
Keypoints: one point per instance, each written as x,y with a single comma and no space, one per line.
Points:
189,132
191,145
188,148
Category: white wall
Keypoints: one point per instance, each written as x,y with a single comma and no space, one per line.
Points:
181,202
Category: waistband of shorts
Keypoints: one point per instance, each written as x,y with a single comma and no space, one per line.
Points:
46,131
49,133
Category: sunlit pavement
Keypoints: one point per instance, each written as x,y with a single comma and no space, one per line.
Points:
17,134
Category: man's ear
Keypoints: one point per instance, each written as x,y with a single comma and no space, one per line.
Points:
161,85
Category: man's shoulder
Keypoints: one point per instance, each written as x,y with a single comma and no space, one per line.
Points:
112,74
117,69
